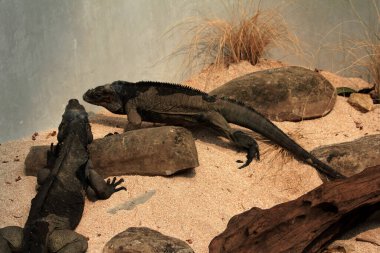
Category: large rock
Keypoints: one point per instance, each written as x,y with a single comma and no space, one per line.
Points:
350,158
287,93
145,240
149,151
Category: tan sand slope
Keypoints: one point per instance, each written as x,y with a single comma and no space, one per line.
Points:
197,205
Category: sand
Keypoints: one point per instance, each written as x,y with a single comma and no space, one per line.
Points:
196,205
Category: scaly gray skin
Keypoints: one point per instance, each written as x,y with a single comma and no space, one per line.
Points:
177,104
58,206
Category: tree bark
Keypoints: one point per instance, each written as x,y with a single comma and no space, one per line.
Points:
306,224
150,151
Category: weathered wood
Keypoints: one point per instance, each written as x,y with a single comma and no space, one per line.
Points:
306,224
150,151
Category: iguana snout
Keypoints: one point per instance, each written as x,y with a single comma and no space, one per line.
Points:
105,96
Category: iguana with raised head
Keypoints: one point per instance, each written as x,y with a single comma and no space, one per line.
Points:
177,104
58,205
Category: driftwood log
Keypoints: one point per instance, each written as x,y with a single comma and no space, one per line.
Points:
150,151
307,224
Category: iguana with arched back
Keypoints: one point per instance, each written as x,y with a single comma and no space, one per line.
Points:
58,205
178,104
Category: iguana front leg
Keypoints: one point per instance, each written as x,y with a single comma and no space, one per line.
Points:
44,173
98,188
134,118
218,122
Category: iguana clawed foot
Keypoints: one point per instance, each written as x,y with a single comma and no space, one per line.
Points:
253,152
244,140
112,185
99,188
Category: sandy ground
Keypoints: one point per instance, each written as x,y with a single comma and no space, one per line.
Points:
196,206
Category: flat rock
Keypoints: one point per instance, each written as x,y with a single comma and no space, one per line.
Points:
282,94
350,158
354,83
363,102
150,151
145,240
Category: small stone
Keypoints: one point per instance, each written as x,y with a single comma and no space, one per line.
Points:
18,179
359,125
51,134
149,241
362,102
34,136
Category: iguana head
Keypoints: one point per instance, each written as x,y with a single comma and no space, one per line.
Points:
75,120
106,96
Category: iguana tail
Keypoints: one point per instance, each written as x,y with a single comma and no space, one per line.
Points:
239,114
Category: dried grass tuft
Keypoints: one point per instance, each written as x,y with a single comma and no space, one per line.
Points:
365,53
246,34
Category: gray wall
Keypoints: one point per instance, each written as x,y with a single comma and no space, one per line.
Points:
53,50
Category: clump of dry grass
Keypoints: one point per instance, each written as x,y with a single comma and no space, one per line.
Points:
246,34
374,68
366,60
373,63
366,52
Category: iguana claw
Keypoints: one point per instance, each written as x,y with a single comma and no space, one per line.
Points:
253,152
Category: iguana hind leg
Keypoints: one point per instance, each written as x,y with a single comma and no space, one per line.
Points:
248,142
241,139
11,239
67,241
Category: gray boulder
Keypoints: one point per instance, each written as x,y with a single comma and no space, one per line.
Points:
350,158
157,151
283,94
145,240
